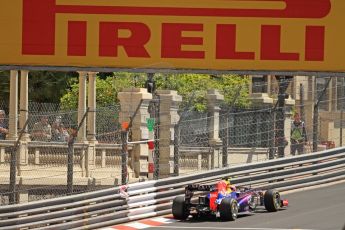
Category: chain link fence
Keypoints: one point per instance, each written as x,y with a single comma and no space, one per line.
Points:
108,126
248,127
42,154
241,131
261,133
198,141
194,130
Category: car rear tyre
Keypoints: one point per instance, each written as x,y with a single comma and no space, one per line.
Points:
272,200
179,208
228,209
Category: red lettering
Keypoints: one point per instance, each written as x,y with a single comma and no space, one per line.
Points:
77,38
172,41
38,27
270,45
39,22
314,43
109,39
293,9
226,44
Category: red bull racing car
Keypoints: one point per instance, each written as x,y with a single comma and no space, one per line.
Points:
225,201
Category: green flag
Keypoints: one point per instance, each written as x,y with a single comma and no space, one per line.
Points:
150,123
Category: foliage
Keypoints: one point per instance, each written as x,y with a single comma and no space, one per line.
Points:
43,86
4,85
61,87
192,87
106,91
49,87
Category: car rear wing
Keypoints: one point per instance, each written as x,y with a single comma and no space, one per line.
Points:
191,188
198,187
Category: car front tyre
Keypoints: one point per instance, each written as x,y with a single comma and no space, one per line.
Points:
272,200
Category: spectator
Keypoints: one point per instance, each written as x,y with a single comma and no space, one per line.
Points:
3,127
298,135
56,129
61,134
42,131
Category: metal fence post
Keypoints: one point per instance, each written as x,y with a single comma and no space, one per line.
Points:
341,112
301,101
13,166
124,157
341,128
176,149
70,154
284,82
156,138
271,135
316,116
315,127
225,143
13,176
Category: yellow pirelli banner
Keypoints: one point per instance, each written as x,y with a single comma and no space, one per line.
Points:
225,35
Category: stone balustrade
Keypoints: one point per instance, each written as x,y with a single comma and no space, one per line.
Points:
55,154
193,159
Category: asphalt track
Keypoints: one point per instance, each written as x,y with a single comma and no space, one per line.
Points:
317,209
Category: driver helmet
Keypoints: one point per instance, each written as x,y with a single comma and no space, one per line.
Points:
229,186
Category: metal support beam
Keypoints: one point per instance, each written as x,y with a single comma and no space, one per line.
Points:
301,101
177,135
156,138
225,143
176,149
91,123
13,166
342,111
24,100
82,105
225,137
316,116
124,157
283,82
271,136
70,152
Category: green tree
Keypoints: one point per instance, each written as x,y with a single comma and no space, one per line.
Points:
45,86
192,87
4,86
106,90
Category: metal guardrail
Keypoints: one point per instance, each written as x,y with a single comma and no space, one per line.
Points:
147,199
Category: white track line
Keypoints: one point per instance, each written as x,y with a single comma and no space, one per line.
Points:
219,228
138,225
164,220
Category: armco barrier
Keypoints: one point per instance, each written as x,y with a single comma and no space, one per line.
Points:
147,199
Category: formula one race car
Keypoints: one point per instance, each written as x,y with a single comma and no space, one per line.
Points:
225,201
